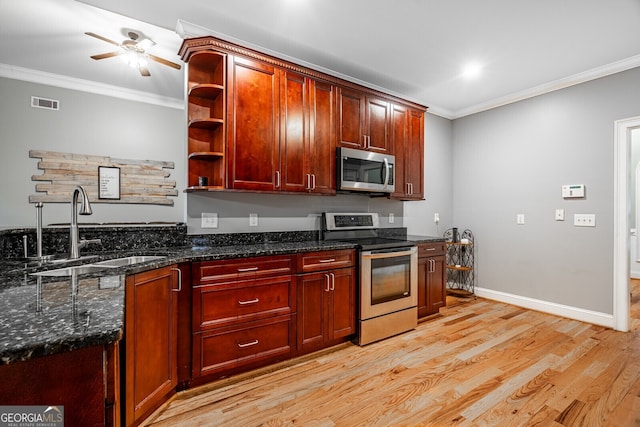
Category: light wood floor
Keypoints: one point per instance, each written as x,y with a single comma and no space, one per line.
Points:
481,363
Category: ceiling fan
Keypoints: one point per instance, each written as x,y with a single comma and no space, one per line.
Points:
133,52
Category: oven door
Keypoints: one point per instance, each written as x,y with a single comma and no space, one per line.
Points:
388,281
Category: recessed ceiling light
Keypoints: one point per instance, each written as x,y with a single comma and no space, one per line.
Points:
471,70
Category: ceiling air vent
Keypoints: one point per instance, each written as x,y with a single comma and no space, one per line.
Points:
49,104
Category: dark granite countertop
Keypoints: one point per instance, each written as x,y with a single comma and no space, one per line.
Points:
46,315
425,239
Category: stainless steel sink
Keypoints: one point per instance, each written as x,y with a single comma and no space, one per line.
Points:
70,271
121,262
100,266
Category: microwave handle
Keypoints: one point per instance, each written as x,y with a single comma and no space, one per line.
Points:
386,177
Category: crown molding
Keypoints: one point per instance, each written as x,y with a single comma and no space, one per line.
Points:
594,73
57,80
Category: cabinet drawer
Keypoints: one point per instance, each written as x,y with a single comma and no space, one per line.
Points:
217,305
325,260
431,249
235,269
226,349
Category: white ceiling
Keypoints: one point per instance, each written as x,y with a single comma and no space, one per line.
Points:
413,48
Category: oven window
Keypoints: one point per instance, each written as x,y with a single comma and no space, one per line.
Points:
390,279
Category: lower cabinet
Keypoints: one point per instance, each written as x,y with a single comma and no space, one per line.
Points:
326,299
431,278
150,348
83,381
243,315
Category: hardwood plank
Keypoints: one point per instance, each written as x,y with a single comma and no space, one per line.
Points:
479,363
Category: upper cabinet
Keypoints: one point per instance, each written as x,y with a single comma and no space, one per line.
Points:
253,125
258,123
407,134
364,122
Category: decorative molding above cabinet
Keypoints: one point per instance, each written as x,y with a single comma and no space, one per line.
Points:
260,123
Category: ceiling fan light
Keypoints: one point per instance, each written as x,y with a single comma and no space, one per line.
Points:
134,59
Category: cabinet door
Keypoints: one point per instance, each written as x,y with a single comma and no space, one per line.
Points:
423,267
436,292
414,154
322,152
342,310
399,130
294,133
313,293
377,125
352,119
150,342
253,128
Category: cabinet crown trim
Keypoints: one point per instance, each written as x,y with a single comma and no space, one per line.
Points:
193,45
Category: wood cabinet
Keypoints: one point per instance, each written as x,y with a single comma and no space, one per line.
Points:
253,125
243,314
206,109
364,122
150,349
307,135
259,123
431,278
326,299
84,381
407,126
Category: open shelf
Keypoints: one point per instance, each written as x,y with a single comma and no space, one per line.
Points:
206,104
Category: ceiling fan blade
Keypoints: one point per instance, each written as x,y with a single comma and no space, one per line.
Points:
102,38
164,61
105,55
144,71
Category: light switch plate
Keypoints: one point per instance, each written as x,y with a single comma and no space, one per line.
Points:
559,214
253,220
392,218
520,219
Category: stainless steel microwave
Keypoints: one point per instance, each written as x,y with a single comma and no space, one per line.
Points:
360,170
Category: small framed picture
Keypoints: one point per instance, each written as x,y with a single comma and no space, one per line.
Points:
109,182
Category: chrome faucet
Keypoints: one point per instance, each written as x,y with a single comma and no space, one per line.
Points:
85,209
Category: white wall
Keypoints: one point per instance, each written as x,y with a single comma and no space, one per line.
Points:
514,159
85,124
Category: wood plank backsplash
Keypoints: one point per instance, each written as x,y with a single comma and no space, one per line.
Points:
141,181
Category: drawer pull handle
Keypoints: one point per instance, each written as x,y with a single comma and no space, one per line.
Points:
252,301
324,261
248,344
244,270
431,249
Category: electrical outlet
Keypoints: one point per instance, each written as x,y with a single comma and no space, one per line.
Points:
559,214
253,220
520,219
436,217
584,220
209,220
392,218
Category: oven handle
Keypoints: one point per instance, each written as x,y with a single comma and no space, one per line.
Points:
389,254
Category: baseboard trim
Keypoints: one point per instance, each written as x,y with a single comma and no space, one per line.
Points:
589,316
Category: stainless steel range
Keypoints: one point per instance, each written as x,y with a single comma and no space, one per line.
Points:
388,276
